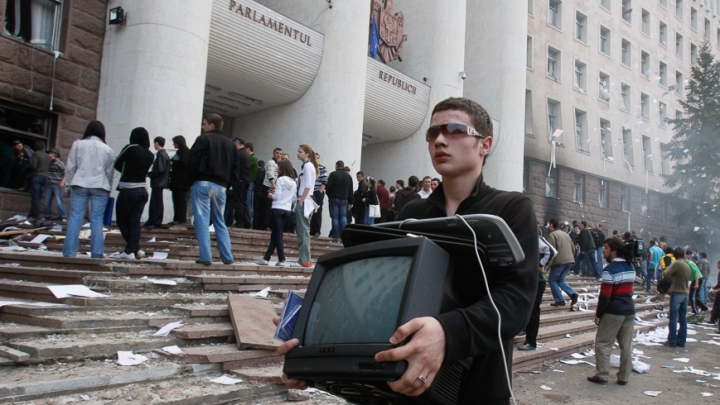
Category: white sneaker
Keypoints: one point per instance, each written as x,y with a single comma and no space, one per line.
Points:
262,262
140,254
280,264
295,264
129,256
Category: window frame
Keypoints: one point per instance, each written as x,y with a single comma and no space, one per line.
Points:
664,159
558,14
557,114
625,11
628,149
625,196
679,12
55,43
645,106
662,72
693,19
625,97
581,122
529,53
551,190
606,87
662,32
603,187
580,84
662,114
557,63
607,40
647,154
578,188
644,64
679,44
625,52
645,26
644,204
584,36
679,83
606,150
529,120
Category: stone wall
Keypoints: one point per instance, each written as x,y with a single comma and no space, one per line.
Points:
26,72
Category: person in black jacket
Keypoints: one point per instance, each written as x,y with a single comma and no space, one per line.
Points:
159,180
133,162
178,180
406,195
459,140
237,212
339,190
212,167
358,207
587,249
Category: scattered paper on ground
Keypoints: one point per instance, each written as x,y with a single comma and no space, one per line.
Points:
707,394
226,380
40,238
682,359
262,293
165,330
130,359
65,291
152,240
652,393
159,255
546,388
173,349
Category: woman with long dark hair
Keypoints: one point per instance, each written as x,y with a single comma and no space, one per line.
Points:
178,180
372,199
283,198
309,172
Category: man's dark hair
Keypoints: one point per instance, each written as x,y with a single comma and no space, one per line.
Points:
413,181
360,173
400,182
427,178
627,235
339,164
555,223
703,255
615,232
668,250
277,149
438,180
249,146
95,128
479,117
584,223
39,145
617,245
688,252
261,163
214,119
653,242
347,169
662,239
679,253
599,226
159,140
381,182
180,141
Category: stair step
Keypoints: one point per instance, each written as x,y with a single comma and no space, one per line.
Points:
223,353
206,330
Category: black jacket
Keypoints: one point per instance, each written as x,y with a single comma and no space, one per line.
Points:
340,186
243,166
178,170
472,331
403,197
359,194
133,162
160,173
586,240
213,157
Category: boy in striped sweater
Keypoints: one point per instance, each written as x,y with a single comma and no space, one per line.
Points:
615,315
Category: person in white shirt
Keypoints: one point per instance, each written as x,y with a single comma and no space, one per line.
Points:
426,187
283,196
308,174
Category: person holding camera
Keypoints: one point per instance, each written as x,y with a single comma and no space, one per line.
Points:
615,314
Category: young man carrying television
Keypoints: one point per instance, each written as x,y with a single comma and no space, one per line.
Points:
459,140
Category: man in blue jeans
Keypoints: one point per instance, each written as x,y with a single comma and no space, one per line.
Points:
587,249
212,166
340,195
679,274
561,264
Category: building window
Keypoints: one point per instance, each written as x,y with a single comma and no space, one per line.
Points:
644,106
662,114
37,22
554,120
605,4
644,63
605,139
628,158
718,37
625,101
663,3
626,52
693,54
581,26
679,83
528,55
529,130
580,76
646,22
627,10
678,44
555,13
678,114
553,65
663,74
664,159
693,18
663,33
644,204
530,7
579,188
679,9
647,154
625,199
708,29
662,208
26,124
605,40
604,87
551,183
581,136
603,194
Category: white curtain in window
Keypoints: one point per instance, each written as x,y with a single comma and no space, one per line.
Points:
42,17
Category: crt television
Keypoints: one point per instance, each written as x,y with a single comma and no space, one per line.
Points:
356,299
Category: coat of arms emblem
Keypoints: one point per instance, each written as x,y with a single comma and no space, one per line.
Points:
386,31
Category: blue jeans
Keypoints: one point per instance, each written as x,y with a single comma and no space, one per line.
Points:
678,313
650,277
703,292
208,199
79,197
53,191
338,214
591,254
37,191
302,230
276,237
557,282
250,196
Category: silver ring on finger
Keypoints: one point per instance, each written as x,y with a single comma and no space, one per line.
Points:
422,378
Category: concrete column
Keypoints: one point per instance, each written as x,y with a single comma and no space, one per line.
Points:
496,75
329,117
153,72
435,50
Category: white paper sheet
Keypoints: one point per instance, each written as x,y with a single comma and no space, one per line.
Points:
130,359
65,291
40,238
682,359
707,394
652,393
165,330
226,380
160,255
17,218
86,225
152,240
162,282
262,293
546,388
173,349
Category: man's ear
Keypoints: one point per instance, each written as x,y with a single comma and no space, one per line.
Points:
485,145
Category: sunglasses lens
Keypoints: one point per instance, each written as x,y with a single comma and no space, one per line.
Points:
432,133
457,129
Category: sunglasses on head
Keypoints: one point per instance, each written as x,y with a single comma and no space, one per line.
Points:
451,130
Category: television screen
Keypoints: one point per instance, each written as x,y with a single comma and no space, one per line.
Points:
358,301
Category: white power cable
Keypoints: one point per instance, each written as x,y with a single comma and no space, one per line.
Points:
487,288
